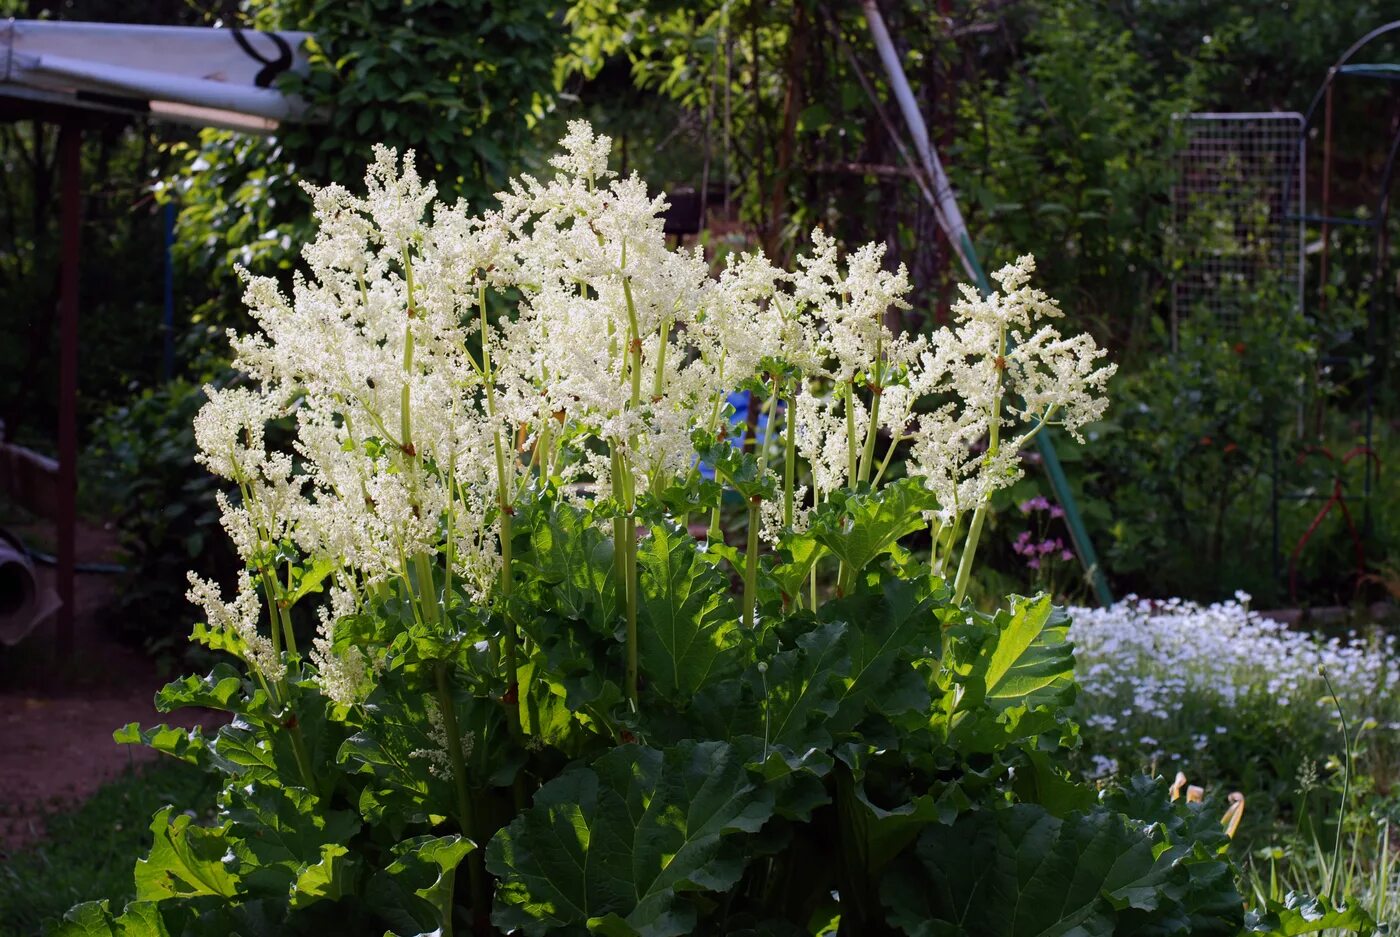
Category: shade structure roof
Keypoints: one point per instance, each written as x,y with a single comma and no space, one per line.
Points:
200,76
70,72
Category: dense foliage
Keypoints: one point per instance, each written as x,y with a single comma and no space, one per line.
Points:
780,116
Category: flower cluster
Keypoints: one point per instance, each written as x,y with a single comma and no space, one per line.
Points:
1006,374
1037,548
1025,545
434,365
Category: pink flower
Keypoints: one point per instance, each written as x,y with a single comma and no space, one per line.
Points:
1038,503
1067,555
1033,564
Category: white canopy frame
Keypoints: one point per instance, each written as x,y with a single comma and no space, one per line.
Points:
70,73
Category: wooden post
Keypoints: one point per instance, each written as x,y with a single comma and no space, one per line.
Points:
70,157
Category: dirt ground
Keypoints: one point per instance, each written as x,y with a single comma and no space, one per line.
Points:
57,715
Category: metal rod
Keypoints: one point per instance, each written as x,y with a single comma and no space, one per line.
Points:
1381,251
1326,202
1338,220
945,202
70,155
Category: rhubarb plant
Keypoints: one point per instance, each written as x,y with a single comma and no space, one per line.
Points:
532,638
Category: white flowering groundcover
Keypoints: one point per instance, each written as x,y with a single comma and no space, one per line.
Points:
1226,694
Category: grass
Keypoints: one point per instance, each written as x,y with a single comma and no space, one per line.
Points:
89,851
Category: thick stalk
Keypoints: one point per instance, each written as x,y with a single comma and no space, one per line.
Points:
405,406
272,618
790,460
935,532
450,546
284,615
974,532
623,482
885,462
634,339
629,533
406,424
659,383
625,564
427,593
790,475
619,558
867,456
466,817
509,640
872,428
751,564
303,757
506,512
851,463
769,410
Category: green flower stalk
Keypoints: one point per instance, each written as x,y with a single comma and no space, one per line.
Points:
466,812
979,513
750,598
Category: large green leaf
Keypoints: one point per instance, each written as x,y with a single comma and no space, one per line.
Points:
1031,663
799,553
620,842
185,861
569,703
282,835
392,748
802,688
827,678
247,749
1300,914
217,690
743,471
95,919
887,631
185,744
572,563
689,626
89,919
860,526
309,579
1006,678
413,894
1021,872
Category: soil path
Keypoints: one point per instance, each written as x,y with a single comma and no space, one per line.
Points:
57,716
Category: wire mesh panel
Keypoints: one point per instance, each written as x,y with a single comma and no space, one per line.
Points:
1236,242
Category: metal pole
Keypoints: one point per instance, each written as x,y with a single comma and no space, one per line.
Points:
70,139
951,220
